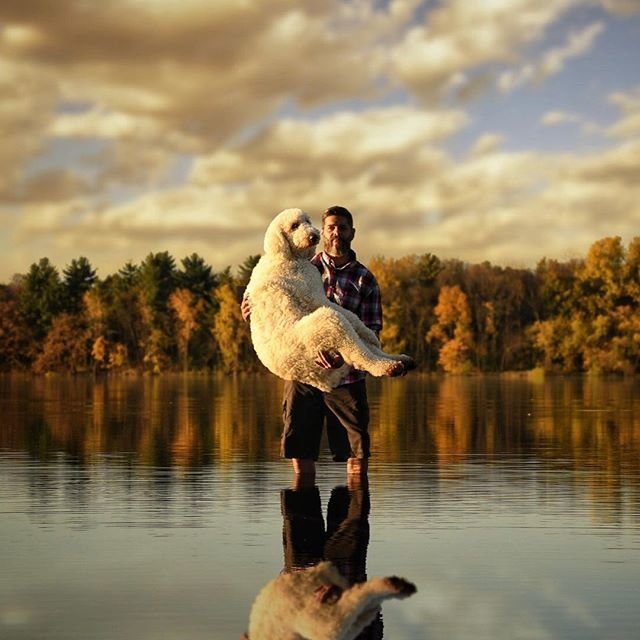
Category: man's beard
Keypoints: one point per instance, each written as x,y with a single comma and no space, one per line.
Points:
338,248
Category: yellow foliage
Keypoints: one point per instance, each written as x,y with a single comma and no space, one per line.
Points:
99,349
188,309
229,329
453,330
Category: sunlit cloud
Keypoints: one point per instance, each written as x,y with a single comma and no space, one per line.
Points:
553,61
458,37
629,105
131,126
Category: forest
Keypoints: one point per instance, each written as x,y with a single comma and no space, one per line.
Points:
572,316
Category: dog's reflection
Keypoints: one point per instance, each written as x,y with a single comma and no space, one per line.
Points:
323,592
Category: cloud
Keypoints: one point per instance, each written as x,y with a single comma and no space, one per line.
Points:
629,105
627,126
553,118
622,7
559,118
505,207
486,143
553,61
133,126
203,71
342,144
25,113
459,36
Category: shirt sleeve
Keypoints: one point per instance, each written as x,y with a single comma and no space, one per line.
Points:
371,306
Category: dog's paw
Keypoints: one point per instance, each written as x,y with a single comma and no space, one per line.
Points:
402,587
408,362
395,369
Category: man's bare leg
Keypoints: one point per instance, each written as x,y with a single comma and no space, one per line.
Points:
358,466
304,466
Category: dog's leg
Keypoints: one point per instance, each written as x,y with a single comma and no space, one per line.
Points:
324,330
372,342
359,605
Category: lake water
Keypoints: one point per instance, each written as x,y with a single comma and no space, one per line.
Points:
156,508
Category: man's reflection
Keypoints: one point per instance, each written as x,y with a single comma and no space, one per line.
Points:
344,541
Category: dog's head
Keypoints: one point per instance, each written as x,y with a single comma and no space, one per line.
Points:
291,235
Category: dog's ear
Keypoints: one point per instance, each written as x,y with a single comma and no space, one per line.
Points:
275,239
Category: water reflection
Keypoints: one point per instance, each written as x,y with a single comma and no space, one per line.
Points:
324,579
181,420
148,507
587,425
345,541
190,421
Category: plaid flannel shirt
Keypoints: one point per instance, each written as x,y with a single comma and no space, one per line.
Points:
355,288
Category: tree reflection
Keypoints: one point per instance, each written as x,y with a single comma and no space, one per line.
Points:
590,424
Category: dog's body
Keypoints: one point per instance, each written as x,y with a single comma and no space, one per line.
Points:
318,604
292,320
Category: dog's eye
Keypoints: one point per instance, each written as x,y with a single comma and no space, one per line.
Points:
294,225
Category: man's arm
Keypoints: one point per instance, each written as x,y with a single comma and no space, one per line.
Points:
370,311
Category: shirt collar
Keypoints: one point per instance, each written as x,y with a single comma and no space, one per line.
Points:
328,260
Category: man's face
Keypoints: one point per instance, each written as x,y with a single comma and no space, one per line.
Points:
337,235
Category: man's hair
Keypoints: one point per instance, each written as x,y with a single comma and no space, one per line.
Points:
337,210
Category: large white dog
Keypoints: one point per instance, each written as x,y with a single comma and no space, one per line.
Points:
319,604
292,320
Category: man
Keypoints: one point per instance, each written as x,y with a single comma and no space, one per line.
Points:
345,409
350,284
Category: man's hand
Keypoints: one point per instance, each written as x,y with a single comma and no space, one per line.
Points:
245,309
329,360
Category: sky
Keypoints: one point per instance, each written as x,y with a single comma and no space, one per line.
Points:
496,130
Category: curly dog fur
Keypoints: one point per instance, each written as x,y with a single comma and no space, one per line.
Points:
292,320
319,604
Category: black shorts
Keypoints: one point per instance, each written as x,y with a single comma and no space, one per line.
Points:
346,411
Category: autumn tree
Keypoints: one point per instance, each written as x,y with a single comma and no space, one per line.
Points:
113,311
188,309
452,331
601,277
16,339
557,284
579,315
607,310
229,329
408,291
594,328
502,304
631,273
67,346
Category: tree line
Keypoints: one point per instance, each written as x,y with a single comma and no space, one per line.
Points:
569,316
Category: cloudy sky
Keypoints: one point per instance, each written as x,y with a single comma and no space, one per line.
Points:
500,130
